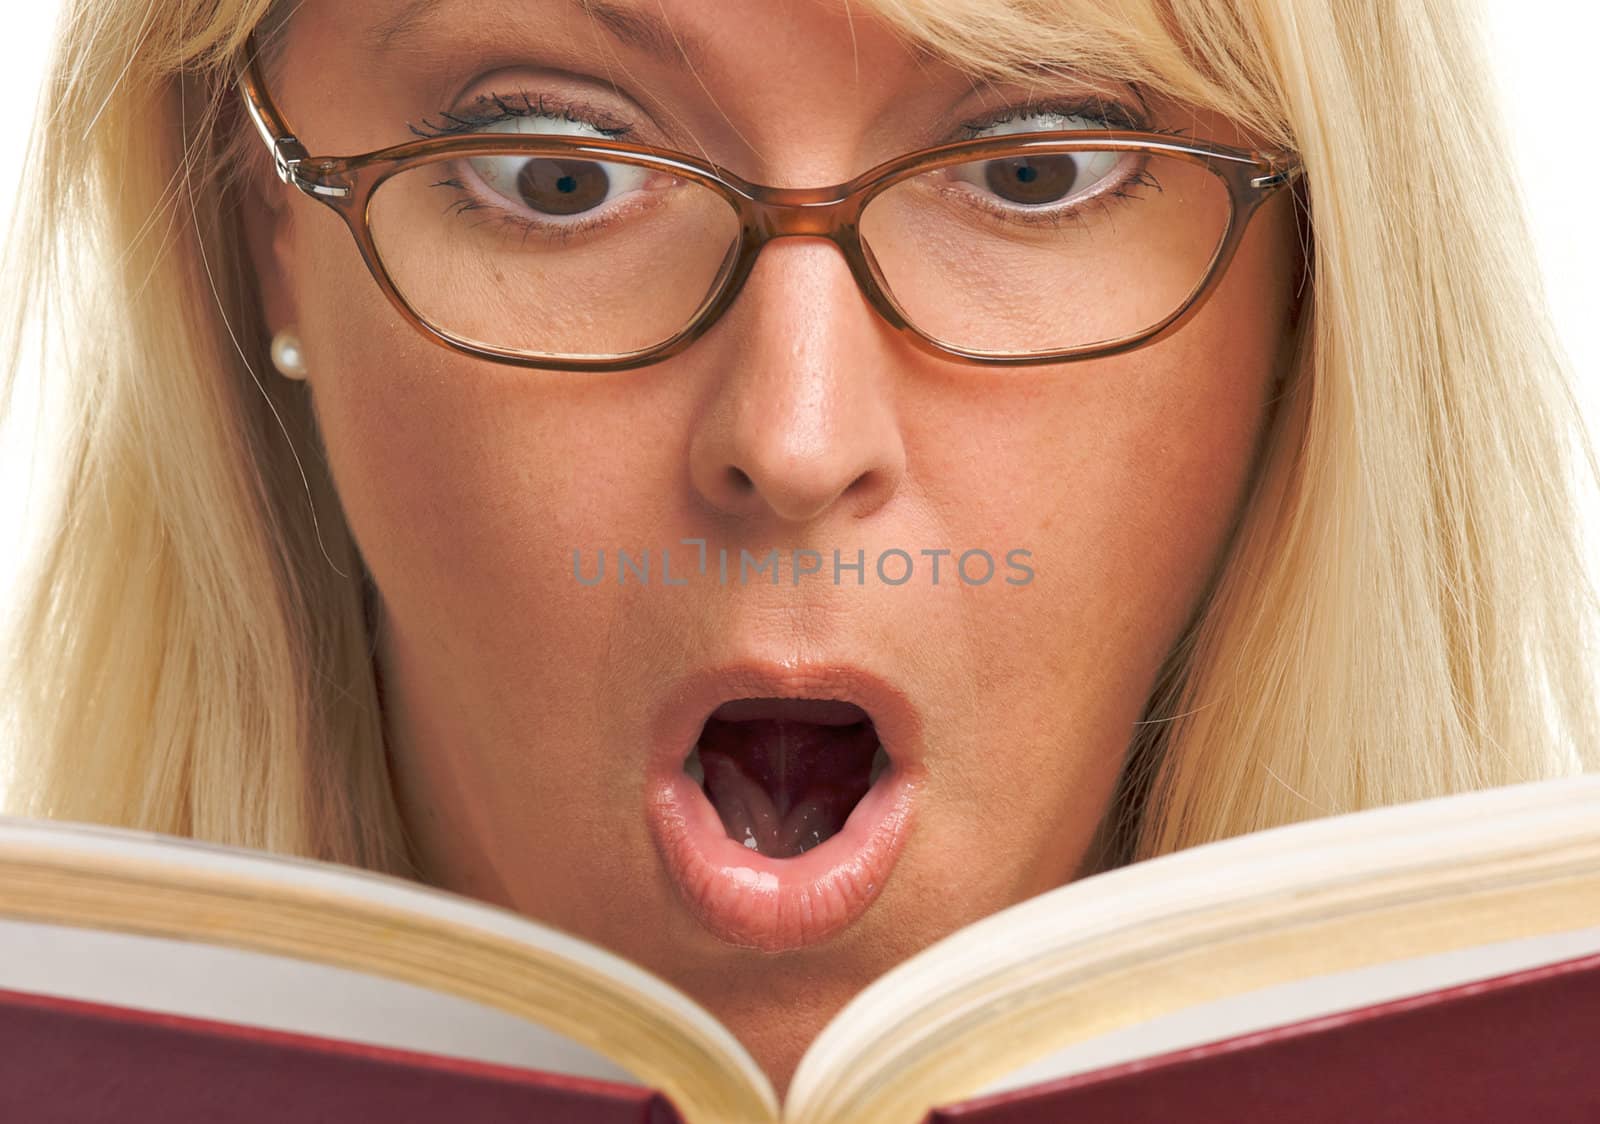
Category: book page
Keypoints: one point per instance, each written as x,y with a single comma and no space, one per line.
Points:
1114,953
237,986
312,914
1299,1000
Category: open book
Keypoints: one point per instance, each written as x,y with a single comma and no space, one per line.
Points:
1218,942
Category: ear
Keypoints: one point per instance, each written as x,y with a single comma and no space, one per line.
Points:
268,224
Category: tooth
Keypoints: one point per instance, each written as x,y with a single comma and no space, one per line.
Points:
880,762
693,767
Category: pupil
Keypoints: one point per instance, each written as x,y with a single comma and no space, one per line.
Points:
556,186
1032,179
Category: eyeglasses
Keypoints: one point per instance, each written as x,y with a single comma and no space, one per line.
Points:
603,255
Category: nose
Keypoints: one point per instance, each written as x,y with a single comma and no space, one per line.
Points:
803,418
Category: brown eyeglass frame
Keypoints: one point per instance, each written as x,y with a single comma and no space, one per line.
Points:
346,184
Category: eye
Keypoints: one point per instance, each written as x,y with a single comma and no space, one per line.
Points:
555,186
1035,181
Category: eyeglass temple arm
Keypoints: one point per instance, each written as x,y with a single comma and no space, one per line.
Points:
1286,168
287,151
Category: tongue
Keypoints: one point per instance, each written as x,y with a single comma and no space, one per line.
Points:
784,786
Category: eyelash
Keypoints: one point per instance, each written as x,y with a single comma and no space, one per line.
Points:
491,109
1110,114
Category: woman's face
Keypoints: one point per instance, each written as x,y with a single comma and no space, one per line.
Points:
538,726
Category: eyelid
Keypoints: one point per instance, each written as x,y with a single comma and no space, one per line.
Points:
529,87
1109,112
492,107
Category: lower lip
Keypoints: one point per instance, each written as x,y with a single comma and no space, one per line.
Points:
755,901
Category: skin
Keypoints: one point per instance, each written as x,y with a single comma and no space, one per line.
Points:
517,704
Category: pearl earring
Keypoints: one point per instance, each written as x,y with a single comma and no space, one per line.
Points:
287,355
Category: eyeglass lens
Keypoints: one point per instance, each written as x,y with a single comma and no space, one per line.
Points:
579,258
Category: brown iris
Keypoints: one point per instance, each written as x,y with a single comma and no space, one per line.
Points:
554,186
1032,179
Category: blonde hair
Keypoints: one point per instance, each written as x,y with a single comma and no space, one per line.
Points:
1403,611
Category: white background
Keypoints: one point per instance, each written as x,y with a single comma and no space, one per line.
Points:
1544,51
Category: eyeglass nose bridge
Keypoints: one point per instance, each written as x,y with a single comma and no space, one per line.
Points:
832,213
793,212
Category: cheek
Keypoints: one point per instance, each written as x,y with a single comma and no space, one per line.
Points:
1163,440
465,483
1124,476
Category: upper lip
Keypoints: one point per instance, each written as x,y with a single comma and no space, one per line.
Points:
691,700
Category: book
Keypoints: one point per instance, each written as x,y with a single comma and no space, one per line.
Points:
1434,960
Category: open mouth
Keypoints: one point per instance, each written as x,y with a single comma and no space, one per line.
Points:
784,774
781,796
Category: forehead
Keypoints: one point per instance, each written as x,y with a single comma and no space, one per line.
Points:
755,79
667,30
705,36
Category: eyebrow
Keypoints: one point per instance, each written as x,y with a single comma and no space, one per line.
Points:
643,31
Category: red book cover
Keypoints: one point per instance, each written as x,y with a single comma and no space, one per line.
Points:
1514,1047
68,1062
